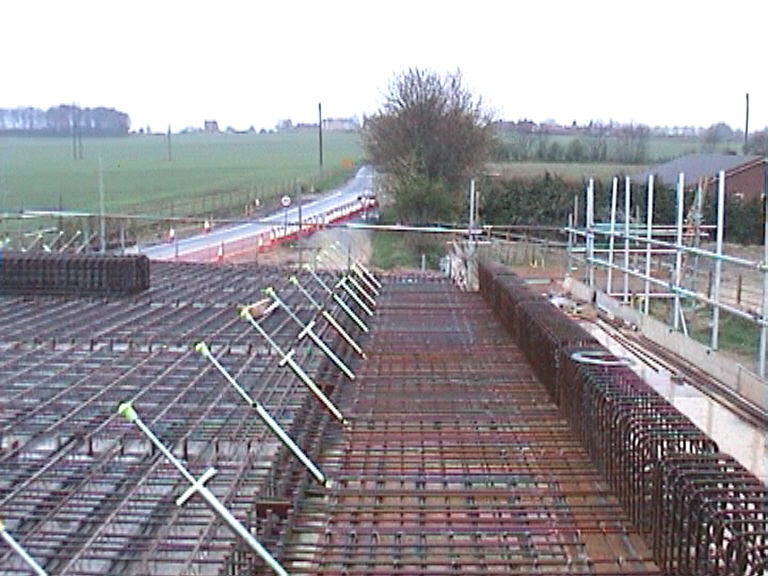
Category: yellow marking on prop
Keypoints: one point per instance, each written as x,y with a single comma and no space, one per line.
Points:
127,411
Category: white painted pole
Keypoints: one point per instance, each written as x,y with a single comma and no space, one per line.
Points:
611,240
287,359
343,305
328,318
266,417
308,330
570,246
679,244
471,206
764,329
718,261
31,562
648,248
590,232
627,208
198,486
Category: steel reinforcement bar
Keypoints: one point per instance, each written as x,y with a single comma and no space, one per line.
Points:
700,511
458,461
81,490
77,274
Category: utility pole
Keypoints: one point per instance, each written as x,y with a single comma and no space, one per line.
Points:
320,130
74,132
169,143
300,241
102,231
746,127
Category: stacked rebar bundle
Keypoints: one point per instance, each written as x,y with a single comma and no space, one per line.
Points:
76,274
701,511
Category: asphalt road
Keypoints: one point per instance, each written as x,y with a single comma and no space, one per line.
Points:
361,184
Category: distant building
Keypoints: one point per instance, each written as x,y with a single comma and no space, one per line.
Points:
341,124
284,125
211,127
744,175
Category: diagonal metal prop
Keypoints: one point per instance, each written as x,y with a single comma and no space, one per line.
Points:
307,330
266,417
346,277
287,359
352,294
19,549
328,318
197,486
343,305
363,273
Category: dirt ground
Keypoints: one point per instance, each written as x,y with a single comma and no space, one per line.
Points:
356,243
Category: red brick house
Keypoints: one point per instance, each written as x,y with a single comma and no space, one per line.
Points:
744,175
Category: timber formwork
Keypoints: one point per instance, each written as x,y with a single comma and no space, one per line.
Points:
80,488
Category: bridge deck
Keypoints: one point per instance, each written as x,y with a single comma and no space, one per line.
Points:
458,462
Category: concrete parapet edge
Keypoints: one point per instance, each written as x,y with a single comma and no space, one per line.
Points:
737,378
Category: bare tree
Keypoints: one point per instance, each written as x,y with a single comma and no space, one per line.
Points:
429,136
632,143
596,143
758,143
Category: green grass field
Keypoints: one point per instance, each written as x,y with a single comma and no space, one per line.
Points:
36,172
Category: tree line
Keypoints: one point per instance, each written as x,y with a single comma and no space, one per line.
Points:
548,199
628,144
621,143
64,120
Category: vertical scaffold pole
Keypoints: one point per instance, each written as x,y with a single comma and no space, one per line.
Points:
679,249
648,247
127,411
614,193
627,209
764,308
718,262
590,232
570,246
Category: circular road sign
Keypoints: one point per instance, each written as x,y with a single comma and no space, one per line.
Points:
285,201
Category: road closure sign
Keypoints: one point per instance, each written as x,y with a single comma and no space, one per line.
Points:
285,201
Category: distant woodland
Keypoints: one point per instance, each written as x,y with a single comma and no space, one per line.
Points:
64,120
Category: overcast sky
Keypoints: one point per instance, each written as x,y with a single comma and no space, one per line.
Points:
254,62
